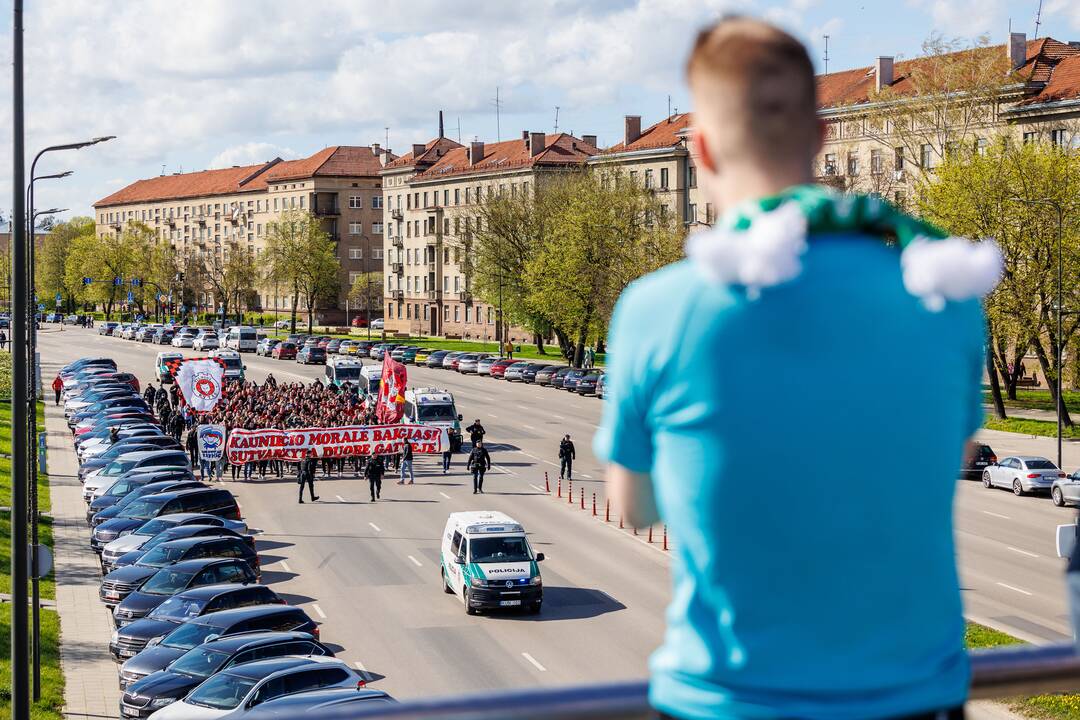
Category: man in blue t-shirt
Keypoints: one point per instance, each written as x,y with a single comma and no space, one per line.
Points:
773,420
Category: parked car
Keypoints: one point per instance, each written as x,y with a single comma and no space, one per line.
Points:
266,346
466,364
588,382
498,368
359,322
131,583
1066,490
543,375
570,379
143,695
282,325
163,336
198,630
317,703
130,488
528,374
377,324
134,539
333,346
180,532
980,458
514,370
107,328
134,634
284,351
559,376
435,359
234,692
212,501
311,356
1023,474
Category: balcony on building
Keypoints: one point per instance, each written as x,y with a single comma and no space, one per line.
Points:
398,294
397,214
434,294
397,268
324,204
397,241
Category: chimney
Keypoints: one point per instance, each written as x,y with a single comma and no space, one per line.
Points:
375,148
589,140
537,143
418,150
1017,49
632,129
440,125
476,152
883,72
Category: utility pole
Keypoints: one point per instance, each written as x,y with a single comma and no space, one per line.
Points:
556,119
826,54
20,668
498,105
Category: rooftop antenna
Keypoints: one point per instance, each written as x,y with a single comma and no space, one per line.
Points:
1038,20
387,139
459,129
440,125
556,119
162,168
498,105
669,105
826,54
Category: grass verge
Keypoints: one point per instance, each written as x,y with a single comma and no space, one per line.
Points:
52,680
1042,428
1038,400
1042,707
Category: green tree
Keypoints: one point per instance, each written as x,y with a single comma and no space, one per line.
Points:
300,256
231,275
51,260
1008,192
103,260
366,293
604,231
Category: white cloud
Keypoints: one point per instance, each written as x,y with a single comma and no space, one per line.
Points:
251,153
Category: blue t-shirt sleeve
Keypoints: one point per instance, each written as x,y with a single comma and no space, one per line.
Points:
624,437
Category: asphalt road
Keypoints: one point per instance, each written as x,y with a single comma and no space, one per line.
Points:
369,573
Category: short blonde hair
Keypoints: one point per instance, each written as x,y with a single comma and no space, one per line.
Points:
754,91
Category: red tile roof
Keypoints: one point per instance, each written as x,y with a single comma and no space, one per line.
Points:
666,133
561,149
433,150
851,87
1064,83
334,161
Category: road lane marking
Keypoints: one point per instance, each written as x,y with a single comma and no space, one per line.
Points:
285,566
502,469
586,476
527,427
997,515
340,499
528,455
560,417
318,611
532,660
444,495
492,415
376,527
1010,587
537,488
1022,552
363,671
523,407
551,463
416,562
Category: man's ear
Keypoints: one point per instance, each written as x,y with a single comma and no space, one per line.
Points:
700,150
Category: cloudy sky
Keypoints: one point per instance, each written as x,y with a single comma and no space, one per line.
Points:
211,83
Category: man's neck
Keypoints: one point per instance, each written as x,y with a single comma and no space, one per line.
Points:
739,185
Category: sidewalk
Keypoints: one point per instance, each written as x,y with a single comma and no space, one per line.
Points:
90,675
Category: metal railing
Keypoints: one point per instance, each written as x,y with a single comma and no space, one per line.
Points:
996,673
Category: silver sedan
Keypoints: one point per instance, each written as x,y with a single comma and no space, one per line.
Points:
1022,473
1066,490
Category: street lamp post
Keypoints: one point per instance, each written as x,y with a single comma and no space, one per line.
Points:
31,399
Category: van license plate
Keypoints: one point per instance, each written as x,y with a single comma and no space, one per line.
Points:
509,603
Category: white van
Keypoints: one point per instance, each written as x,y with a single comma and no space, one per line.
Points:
341,370
242,338
234,366
487,562
434,407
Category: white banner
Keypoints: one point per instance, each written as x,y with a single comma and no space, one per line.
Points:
211,442
200,383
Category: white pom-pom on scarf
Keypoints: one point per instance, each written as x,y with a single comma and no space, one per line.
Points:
950,269
765,254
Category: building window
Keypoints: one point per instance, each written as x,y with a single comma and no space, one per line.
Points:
981,146
491,317
898,159
457,196
301,201
648,179
353,277
852,164
425,312
356,253
926,156
399,311
377,228
877,162
1058,137
356,202
830,163
377,254
663,178
408,311
1030,137
468,195
899,199
356,228
457,313
376,202
445,197
466,314
633,177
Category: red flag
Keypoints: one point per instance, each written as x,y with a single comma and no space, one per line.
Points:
391,405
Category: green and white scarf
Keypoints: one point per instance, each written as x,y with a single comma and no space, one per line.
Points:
759,244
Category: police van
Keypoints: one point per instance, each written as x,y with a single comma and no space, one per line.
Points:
234,366
487,562
434,407
341,370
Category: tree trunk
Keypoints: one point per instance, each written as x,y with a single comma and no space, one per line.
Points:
295,301
538,340
579,348
601,348
1050,375
564,342
995,386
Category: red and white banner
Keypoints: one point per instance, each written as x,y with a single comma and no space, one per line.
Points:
292,444
391,404
199,382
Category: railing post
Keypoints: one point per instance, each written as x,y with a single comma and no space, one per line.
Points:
650,534
570,491
594,504
560,488
582,493
607,510
547,484
665,537
620,521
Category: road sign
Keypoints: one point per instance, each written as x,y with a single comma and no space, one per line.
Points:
118,281
87,281
41,307
131,296
136,282
41,453
44,560
58,298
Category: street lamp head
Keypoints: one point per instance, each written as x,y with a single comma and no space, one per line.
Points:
101,139
50,211
55,176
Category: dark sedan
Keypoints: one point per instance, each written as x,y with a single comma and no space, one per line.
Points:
172,579
178,533
311,355
570,379
134,635
145,694
528,373
559,376
435,359
544,375
587,384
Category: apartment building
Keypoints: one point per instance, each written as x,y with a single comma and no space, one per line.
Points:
430,198
860,154
205,215
659,158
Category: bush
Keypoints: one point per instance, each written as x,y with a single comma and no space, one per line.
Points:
5,375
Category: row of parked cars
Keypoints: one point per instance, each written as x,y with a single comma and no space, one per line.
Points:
1023,475
197,634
